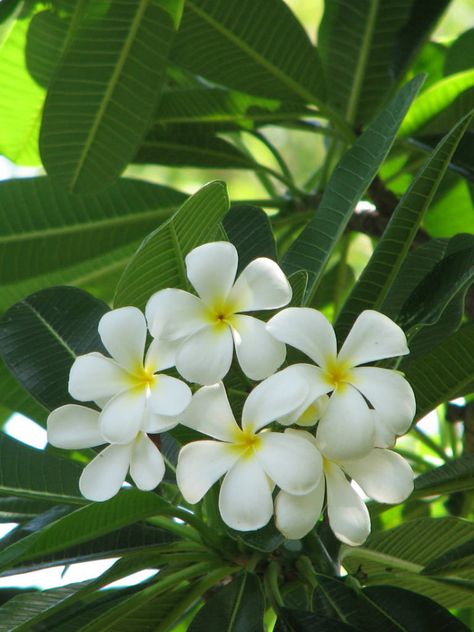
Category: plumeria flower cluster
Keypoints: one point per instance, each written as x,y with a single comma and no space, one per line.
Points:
305,430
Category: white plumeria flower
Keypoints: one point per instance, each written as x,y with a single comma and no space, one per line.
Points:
74,427
210,324
253,461
348,428
383,475
125,385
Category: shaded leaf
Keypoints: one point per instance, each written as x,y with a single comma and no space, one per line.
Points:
249,229
456,475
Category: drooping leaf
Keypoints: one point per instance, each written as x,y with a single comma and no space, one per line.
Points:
456,475
51,228
41,336
357,42
88,137
390,252
249,229
158,263
237,607
312,248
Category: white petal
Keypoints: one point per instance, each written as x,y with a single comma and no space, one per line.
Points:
211,268
290,461
384,475
153,423
174,314
123,333
373,336
261,285
347,428
168,395
147,466
390,395
200,465
206,356
123,416
383,436
93,376
305,329
210,413
103,477
315,403
161,355
258,353
74,427
276,396
348,515
295,516
245,499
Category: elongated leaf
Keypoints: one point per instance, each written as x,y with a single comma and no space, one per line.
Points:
158,263
457,475
29,473
50,228
41,336
444,373
299,283
85,141
87,523
377,277
227,41
302,621
249,229
435,99
399,556
357,42
312,248
237,607
191,148
14,509
15,398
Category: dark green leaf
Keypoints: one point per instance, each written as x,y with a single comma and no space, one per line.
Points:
15,398
29,473
456,475
312,248
13,509
266,539
299,283
302,621
41,336
237,607
84,141
390,252
249,229
51,229
158,263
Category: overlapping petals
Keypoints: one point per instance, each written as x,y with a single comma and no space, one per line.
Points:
209,325
251,459
76,427
127,386
382,474
368,406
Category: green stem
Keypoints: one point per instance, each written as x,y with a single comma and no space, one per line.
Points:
268,203
429,443
271,581
200,589
275,153
184,531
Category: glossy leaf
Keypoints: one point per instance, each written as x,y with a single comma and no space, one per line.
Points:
41,336
85,143
312,248
390,252
15,398
158,263
249,229
52,229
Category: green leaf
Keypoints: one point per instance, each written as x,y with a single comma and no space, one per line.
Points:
390,252
454,476
302,621
51,229
41,336
249,229
84,524
399,556
312,248
228,42
15,398
190,147
237,607
357,42
158,263
41,476
435,99
84,142
444,373
299,283
13,509
266,539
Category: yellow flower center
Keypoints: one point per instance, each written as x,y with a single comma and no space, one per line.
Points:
246,442
337,373
221,313
143,378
